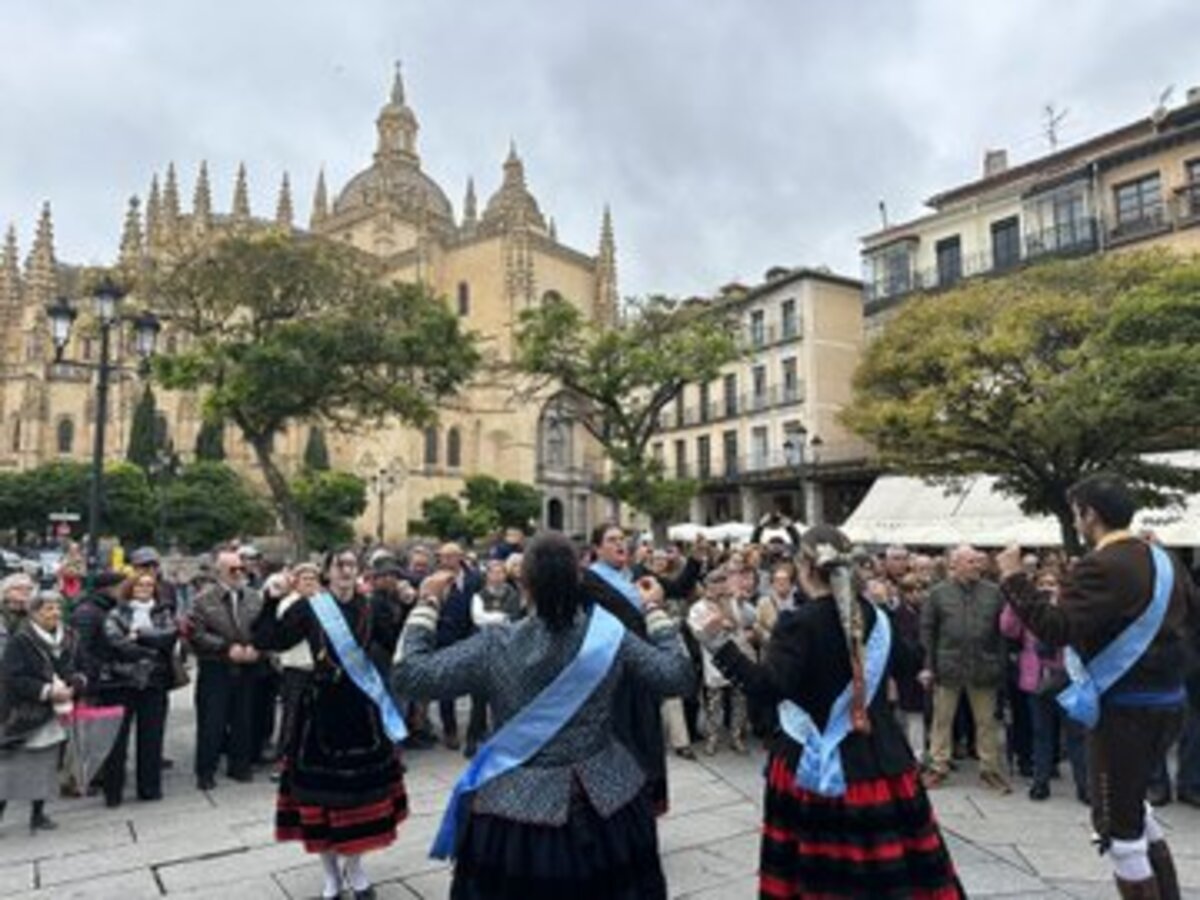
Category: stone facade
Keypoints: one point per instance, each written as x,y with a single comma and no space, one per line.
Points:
488,267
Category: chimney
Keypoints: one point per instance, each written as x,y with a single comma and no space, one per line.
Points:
994,162
1193,94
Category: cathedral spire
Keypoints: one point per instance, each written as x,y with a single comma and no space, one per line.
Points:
241,197
283,206
170,205
470,212
41,269
202,201
10,270
606,272
397,127
131,236
154,216
514,169
320,209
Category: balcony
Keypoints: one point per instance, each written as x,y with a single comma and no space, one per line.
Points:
1187,204
1145,222
1073,238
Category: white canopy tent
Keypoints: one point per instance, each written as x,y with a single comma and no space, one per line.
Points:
903,510
685,531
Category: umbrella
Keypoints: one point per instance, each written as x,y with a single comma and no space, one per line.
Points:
91,733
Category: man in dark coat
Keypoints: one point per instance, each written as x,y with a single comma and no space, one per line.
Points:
87,619
454,624
1141,713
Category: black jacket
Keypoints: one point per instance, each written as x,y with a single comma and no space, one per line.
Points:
151,649
87,619
27,668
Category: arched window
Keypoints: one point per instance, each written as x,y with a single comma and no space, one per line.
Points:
453,449
172,344
66,435
431,446
464,299
16,434
551,297
161,429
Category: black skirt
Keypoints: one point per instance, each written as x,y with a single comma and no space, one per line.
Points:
588,858
879,840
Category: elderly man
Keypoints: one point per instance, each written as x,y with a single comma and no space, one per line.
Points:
230,667
454,625
964,655
16,591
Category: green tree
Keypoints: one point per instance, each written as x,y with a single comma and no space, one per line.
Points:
511,504
620,380
128,509
316,453
446,519
208,502
1042,377
143,433
290,330
210,441
330,502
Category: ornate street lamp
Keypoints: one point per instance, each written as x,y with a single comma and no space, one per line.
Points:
106,302
796,448
381,481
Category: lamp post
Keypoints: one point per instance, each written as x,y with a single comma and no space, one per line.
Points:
382,481
106,301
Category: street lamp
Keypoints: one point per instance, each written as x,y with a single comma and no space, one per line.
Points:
795,448
106,302
382,482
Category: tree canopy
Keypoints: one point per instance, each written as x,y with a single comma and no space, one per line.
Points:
208,502
620,379
27,499
1041,377
316,451
143,432
330,501
485,505
287,330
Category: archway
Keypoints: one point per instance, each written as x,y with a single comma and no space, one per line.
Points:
554,514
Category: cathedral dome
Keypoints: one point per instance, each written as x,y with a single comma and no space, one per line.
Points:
513,203
395,177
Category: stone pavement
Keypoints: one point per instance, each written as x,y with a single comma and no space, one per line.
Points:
219,844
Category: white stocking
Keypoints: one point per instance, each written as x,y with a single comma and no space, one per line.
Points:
356,875
333,878
1152,830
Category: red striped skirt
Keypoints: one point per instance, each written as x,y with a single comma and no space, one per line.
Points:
879,840
346,830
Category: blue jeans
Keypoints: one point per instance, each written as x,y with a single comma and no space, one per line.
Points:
1045,719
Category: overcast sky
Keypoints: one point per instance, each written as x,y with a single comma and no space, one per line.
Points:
727,136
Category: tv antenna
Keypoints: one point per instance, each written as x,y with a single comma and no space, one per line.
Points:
1054,118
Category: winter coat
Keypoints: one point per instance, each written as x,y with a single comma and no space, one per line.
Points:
960,631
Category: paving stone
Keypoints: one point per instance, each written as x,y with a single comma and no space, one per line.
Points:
16,878
126,886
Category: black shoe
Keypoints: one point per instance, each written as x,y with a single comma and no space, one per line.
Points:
205,782
1159,795
167,764
1082,795
1188,797
1039,790
686,753
451,742
469,750
240,777
42,822
112,802
150,798
365,894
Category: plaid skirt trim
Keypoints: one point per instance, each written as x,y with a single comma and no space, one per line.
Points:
879,840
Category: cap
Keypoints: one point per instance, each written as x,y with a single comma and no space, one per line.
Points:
144,556
106,579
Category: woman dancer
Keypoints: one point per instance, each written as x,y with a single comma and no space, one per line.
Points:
553,805
844,814
341,789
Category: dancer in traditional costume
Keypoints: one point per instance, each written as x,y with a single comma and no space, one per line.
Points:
1124,612
553,805
341,789
844,814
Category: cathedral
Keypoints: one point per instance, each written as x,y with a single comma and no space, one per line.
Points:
488,266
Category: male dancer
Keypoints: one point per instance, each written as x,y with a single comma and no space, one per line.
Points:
1126,610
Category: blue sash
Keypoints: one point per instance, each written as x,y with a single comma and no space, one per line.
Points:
619,581
355,663
1081,700
820,766
522,736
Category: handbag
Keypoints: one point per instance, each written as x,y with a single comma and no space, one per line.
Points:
179,673
22,721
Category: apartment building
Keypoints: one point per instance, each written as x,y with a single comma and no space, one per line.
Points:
764,436
1133,187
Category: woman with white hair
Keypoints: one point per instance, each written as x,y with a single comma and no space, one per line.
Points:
15,593
37,686
844,813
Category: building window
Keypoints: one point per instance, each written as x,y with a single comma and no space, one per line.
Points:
758,328
731,404
161,429
431,446
758,448
949,260
454,445
85,348
551,297
703,456
788,319
730,440
681,459
16,434
1139,203
704,410
656,451
891,271
759,381
1006,243
1190,195
679,409
791,381
66,436
464,299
